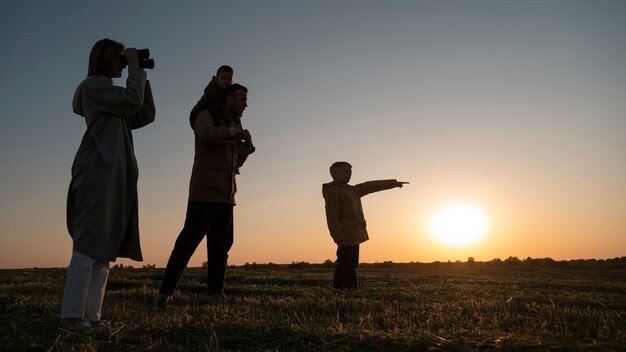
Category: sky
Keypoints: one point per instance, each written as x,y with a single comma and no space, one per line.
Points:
517,107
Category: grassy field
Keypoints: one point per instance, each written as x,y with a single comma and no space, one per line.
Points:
400,307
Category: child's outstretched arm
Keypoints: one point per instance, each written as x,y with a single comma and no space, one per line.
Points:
376,186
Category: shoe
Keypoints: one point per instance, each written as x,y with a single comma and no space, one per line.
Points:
75,325
161,302
217,299
100,324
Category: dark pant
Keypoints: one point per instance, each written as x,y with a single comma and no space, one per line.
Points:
345,272
213,220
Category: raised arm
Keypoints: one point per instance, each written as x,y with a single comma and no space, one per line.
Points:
376,186
145,115
102,95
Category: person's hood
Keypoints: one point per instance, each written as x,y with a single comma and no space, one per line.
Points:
212,87
93,80
77,102
329,185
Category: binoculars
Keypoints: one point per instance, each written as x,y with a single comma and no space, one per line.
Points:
144,59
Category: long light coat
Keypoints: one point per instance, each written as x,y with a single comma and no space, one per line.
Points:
102,213
344,212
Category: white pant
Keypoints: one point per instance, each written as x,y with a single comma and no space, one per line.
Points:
84,287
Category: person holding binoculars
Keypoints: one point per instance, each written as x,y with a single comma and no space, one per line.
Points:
102,212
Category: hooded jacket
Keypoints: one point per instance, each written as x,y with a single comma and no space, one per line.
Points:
102,213
344,212
215,161
213,101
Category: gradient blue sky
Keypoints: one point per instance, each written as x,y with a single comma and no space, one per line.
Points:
517,106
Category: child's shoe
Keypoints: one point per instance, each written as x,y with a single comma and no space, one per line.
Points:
160,302
217,299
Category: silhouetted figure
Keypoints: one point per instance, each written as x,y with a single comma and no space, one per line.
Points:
211,193
346,221
102,200
213,100
213,97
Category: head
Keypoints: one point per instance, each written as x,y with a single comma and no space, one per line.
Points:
236,99
224,76
341,171
104,59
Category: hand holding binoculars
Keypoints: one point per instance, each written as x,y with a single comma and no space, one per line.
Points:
144,59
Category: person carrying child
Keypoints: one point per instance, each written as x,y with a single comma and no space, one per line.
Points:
346,221
213,100
212,191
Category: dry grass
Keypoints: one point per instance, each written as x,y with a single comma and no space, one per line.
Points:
269,308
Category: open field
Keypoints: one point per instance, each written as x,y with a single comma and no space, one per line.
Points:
400,307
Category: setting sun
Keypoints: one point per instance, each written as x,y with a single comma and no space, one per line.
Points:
458,224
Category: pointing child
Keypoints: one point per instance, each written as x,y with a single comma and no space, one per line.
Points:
346,221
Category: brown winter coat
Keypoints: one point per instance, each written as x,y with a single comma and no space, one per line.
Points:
344,212
215,161
102,199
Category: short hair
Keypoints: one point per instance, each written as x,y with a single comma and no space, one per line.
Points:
224,68
103,56
235,87
337,165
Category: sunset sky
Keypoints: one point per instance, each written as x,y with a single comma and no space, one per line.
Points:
518,107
